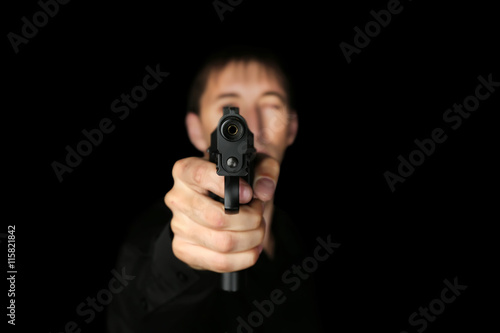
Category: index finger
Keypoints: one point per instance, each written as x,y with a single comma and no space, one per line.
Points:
201,175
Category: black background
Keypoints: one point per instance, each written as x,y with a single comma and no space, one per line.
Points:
355,119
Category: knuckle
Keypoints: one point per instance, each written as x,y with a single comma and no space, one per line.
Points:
177,249
174,225
254,256
179,168
251,258
214,217
224,242
199,174
261,233
254,217
258,219
169,199
220,263
274,165
186,254
270,166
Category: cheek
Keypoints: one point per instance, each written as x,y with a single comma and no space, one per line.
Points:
273,141
275,129
209,121
274,137
275,122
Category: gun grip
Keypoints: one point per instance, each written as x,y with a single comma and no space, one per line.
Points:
231,281
231,194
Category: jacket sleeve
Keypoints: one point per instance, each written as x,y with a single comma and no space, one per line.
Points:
161,283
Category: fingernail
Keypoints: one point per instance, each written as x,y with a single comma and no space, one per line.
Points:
264,188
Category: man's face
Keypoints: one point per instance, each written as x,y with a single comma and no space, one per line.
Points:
261,99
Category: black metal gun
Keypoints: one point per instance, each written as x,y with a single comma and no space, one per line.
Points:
232,150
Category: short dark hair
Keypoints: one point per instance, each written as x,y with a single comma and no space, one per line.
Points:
240,53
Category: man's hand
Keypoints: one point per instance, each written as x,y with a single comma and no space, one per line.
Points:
206,237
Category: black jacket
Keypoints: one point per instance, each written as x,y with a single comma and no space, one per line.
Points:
166,295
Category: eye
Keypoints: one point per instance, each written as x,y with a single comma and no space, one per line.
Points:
272,108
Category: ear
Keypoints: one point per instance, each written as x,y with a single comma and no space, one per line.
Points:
293,127
195,131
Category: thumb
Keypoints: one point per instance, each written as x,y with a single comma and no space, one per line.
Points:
266,175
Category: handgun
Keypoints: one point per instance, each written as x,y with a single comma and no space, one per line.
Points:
232,150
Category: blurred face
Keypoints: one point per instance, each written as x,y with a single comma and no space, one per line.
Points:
261,99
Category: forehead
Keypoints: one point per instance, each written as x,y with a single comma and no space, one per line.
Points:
245,78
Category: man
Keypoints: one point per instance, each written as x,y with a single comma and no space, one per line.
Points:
177,252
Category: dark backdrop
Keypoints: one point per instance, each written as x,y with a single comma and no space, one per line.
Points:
356,118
